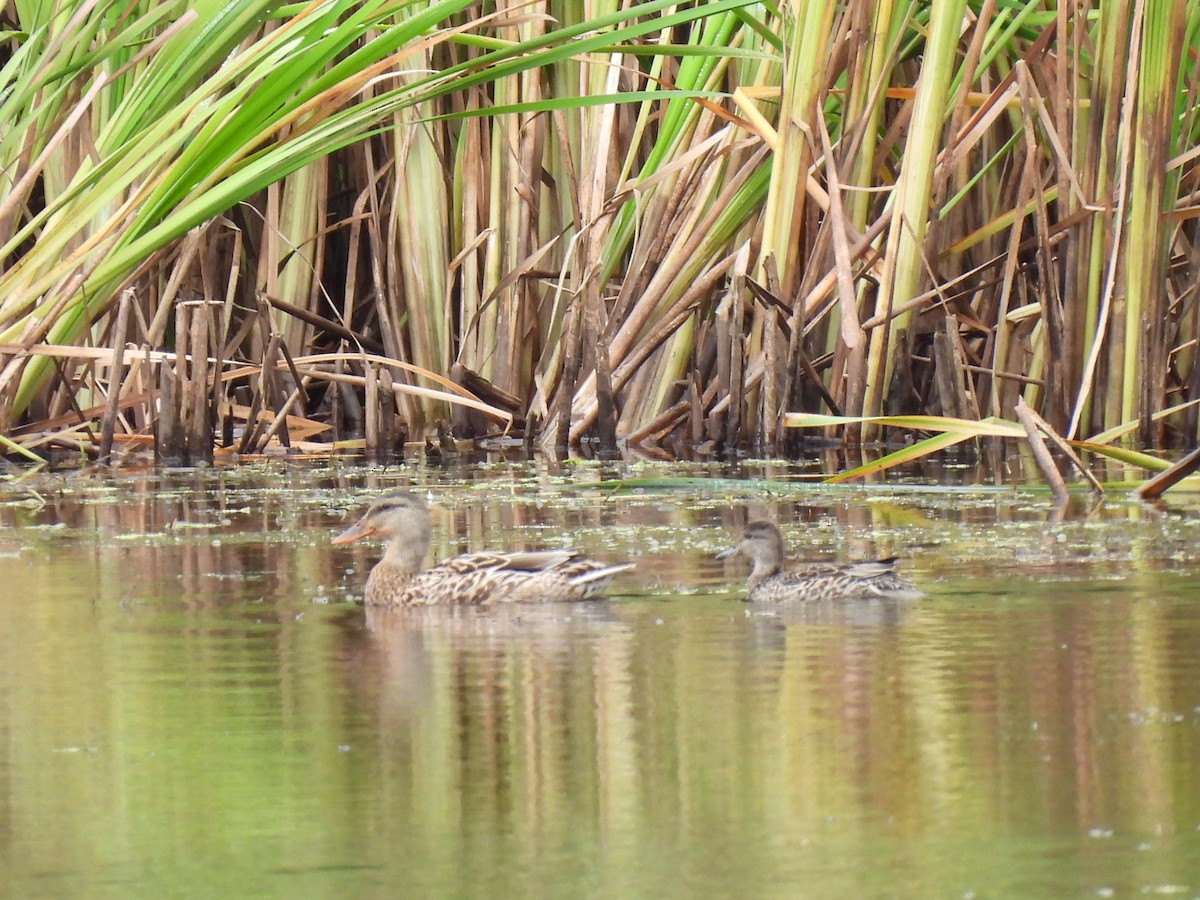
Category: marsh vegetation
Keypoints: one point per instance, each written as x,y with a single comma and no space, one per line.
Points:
249,225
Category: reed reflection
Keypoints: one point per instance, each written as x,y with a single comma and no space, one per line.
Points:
172,639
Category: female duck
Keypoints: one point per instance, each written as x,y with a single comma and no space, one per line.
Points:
553,576
770,582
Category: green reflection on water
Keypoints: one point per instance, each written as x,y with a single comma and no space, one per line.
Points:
190,706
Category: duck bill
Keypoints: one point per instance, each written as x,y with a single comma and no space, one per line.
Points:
353,533
727,552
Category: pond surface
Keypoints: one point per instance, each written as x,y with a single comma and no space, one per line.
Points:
192,703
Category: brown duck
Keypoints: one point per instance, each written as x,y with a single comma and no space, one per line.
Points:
769,582
491,576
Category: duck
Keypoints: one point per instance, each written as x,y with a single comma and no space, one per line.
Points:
474,579
770,582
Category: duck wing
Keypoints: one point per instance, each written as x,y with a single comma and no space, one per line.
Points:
872,568
877,578
867,568
497,560
521,577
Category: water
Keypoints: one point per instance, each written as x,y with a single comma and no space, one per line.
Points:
192,705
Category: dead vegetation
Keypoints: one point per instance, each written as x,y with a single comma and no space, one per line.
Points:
856,209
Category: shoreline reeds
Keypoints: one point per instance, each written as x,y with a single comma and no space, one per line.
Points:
676,224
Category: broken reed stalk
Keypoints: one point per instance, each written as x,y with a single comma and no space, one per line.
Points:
957,398
606,408
185,424
731,433
387,413
573,341
372,417
661,425
168,433
1066,449
199,436
1041,454
1168,478
186,314
280,418
116,379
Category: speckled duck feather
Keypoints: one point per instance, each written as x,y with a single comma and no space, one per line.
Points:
876,578
475,579
769,582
